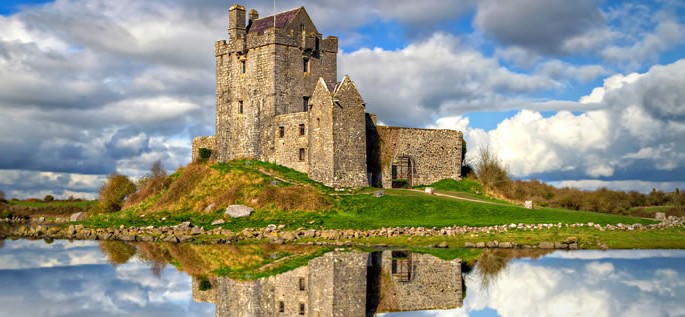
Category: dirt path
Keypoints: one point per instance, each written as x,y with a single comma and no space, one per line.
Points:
463,198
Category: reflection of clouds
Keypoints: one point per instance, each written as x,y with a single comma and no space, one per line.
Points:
95,289
582,283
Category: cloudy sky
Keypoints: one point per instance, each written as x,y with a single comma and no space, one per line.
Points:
583,93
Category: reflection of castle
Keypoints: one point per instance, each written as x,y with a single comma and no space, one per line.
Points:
343,284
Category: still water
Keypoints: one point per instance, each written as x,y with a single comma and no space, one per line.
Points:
89,278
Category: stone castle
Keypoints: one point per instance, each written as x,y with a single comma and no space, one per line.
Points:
343,284
278,99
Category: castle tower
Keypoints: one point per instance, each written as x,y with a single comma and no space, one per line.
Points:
269,67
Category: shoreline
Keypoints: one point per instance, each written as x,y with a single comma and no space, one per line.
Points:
511,236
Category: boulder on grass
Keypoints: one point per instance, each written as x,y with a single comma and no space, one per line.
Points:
237,211
77,216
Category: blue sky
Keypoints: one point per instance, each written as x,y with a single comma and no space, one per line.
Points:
585,93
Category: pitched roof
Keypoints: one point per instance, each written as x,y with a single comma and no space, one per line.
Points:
282,19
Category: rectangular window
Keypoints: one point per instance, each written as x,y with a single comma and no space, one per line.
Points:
281,132
301,278
301,309
240,106
302,129
281,307
305,65
301,160
305,103
243,67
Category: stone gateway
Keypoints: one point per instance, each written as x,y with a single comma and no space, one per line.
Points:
278,99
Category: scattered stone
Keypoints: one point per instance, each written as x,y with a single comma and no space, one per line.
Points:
218,222
546,245
281,227
492,244
469,245
270,228
378,193
275,183
172,239
41,219
210,208
184,225
78,216
430,190
505,245
480,245
528,204
237,211
573,246
661,216
443,245
185,238
196,230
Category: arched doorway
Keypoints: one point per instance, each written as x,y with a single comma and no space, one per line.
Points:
402,172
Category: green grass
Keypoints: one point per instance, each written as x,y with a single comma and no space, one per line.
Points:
256,270
465,185
61,203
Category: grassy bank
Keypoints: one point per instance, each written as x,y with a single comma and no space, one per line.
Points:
199,193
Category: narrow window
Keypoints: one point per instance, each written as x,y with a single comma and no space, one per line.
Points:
318,122
281,132
242,67
301,160
301,27
281,307
301,278
240,106
305,65
305,103
302,129
301,309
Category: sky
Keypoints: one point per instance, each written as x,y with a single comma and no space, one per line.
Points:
583,93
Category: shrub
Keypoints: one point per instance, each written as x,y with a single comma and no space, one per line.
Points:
205,284
48,198
490,170
114,192
151,184
205,154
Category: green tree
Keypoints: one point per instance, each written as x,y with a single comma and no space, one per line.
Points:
114,192
49,198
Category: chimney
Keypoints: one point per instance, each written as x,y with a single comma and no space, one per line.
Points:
254,15
236,22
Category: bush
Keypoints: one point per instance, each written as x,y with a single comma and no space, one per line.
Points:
114,192
151,184
205,154
490,170
48,198
205,284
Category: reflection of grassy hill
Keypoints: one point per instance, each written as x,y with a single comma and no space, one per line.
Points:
199,193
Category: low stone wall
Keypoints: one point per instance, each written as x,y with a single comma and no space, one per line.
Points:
186,232
207,142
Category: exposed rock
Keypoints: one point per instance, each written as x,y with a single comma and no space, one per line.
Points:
443,245
184,225
378,193
210,208
573,246
218,222
469,245
661,216
78,216
275,183
172,239
505,245
430,190
480,245
492,244
237,211
196,230
270,228
546,245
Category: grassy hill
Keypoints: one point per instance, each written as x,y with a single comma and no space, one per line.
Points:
200,193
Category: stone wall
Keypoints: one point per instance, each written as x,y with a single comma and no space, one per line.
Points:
434,154
207,142
434,284
349,137
321,159
287,148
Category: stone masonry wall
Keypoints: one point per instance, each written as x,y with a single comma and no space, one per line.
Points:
287,148
436,284
321,162
435,154
349,137
207,142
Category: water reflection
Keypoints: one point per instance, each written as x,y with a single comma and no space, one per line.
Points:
341,284
87,278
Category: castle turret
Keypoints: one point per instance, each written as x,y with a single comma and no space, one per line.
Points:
254,15
236,22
